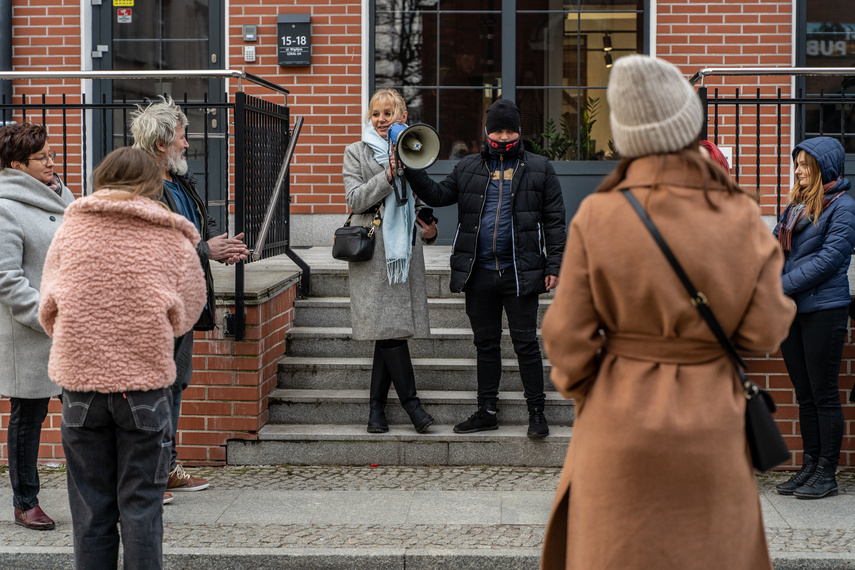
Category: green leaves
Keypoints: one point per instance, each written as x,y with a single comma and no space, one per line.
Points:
573,141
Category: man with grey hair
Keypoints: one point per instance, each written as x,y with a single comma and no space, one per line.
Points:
161,130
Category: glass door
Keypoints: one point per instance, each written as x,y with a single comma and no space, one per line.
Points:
162,35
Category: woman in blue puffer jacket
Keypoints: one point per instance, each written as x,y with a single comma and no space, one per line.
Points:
817,233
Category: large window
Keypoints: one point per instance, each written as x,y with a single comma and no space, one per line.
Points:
452,58
829,32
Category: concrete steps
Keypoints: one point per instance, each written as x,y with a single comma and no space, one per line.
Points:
333,282
325,444
446,406
332,342
335,312
431,373
317,413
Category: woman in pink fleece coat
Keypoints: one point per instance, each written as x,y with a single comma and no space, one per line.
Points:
121,280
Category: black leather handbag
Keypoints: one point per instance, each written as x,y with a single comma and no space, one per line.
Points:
767,446
355,243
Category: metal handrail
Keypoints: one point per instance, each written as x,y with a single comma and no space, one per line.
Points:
171,74
767,71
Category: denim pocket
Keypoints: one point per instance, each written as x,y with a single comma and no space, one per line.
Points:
75,406
152,409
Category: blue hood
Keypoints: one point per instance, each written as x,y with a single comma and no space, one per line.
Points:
829,154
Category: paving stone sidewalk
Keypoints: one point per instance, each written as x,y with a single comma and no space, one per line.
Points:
269,532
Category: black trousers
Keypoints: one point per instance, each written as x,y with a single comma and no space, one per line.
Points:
812,352
487,293
23,437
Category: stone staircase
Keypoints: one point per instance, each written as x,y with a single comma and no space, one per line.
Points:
319,410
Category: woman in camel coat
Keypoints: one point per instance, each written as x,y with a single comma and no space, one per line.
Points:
658,472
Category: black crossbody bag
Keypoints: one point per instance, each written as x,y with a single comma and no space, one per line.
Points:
355,243
768,448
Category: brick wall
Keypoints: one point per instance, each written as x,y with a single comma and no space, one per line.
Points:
721,33
228,395
718,33
46,36
231,380
327,93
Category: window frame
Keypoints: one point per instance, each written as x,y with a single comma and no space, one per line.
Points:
508,52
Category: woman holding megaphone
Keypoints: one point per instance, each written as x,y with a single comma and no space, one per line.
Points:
388,292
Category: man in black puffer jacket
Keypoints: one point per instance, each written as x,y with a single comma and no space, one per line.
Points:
507,250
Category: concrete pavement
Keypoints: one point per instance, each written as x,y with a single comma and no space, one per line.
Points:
394,518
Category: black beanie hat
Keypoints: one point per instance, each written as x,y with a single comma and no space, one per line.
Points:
503,115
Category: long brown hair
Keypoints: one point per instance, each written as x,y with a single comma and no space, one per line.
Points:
812,194
708,173
132,171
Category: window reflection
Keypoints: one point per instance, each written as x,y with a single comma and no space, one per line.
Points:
830,42
569,54
446,55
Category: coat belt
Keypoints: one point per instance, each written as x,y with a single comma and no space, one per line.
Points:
665,349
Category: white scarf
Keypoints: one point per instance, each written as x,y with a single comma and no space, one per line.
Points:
397,220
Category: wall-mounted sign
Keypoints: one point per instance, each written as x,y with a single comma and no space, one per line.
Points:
123,3
124,15
295,39
826,39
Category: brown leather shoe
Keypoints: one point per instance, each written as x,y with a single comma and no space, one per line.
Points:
34,518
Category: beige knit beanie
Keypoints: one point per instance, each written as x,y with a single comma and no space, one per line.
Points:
653,108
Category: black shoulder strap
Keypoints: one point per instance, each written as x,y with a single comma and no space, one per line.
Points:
699,300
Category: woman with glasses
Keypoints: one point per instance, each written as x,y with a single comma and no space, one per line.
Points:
32,202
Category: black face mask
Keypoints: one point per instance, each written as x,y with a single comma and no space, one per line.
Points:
503,148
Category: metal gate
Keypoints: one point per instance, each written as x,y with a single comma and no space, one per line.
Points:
262,140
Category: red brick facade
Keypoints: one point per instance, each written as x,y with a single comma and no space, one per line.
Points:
228,396
328,93
229,391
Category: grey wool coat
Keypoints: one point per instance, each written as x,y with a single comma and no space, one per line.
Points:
380,310
30,213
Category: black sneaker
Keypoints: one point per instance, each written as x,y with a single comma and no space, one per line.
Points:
482,420
537,428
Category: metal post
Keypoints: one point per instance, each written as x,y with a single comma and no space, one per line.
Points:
6,49
240,200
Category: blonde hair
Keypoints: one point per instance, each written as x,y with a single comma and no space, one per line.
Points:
812,194
131,171
391,96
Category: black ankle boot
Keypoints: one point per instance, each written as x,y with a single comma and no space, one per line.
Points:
403,378
800,478
822,483
381,381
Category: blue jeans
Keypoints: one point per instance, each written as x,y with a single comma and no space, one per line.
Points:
812,353
22,437
487,293
183,354
117,458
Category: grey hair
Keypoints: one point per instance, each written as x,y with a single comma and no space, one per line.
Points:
157,124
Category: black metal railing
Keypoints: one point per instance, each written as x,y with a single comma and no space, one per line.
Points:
71,118
87,131
757,122
262,192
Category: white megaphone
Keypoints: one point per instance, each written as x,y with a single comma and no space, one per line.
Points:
417,145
